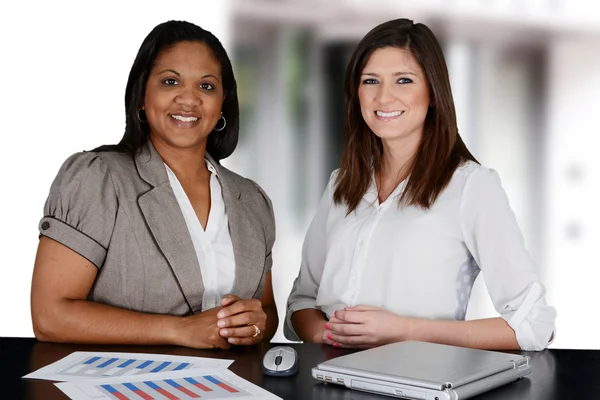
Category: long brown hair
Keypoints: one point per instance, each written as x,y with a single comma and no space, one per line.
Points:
441,150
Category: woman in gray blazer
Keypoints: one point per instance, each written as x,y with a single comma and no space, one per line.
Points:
152,241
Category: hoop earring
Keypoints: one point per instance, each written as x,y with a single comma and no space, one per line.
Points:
224,124
140,118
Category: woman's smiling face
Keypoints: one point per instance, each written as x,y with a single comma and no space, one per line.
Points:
184,95
394,94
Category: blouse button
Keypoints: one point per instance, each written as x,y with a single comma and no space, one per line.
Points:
45,225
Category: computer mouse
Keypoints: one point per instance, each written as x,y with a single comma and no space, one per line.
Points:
280,361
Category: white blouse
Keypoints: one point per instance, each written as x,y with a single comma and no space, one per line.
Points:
423,263
213,246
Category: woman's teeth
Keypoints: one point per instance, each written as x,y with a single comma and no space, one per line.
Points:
184,119
388,114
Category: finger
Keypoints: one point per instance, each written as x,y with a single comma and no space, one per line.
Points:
349,346
346,340
324,338
242,332
336,320
328,341
362,308
245,341
232,309
333,339
218,342
356,317
229,299
244,319
347,329
240,306
349,340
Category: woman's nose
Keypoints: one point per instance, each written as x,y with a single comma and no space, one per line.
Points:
188,97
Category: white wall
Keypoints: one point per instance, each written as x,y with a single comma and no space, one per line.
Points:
573,214
64,67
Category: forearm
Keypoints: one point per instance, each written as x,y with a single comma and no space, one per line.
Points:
82,321
491,333
309,324
272,322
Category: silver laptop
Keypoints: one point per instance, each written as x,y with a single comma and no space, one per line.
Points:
423,371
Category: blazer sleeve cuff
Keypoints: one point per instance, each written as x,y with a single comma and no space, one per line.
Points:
74,239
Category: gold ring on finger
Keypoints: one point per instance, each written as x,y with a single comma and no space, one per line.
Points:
256,331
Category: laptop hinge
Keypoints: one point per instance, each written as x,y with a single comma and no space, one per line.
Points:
521,363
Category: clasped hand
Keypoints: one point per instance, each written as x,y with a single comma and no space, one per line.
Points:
241,322
363,327
232,323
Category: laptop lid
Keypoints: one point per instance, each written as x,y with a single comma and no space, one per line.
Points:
427,365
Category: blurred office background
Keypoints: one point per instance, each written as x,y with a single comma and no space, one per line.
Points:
526,82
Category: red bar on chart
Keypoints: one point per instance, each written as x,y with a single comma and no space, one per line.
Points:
138,391
162,391
198,384
182,389
114,392
220,384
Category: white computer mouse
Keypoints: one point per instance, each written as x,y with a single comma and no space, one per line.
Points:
280,361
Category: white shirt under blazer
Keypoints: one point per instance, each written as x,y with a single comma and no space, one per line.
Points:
423,263
213,246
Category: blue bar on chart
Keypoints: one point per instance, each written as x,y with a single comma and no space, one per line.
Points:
126,363
198,384
84,364
220,384
138,391
160,390
107,363
181,366
114,392
92,360
119,368
182,389
161,366
144,364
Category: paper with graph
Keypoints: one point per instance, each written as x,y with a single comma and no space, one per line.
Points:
86,365
185,384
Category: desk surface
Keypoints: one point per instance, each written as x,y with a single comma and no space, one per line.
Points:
557,374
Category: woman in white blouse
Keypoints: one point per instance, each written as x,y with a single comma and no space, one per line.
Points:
411,218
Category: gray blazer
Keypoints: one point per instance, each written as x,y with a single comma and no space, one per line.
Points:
121,214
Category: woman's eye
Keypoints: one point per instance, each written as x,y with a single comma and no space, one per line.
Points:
170,82
369,82
404,80
207,86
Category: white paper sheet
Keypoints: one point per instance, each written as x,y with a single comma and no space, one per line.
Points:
206,384
85,365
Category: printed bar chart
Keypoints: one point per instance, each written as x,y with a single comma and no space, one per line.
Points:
87,365
212,386
203,384
96,367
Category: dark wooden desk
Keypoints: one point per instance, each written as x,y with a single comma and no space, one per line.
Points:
557,374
